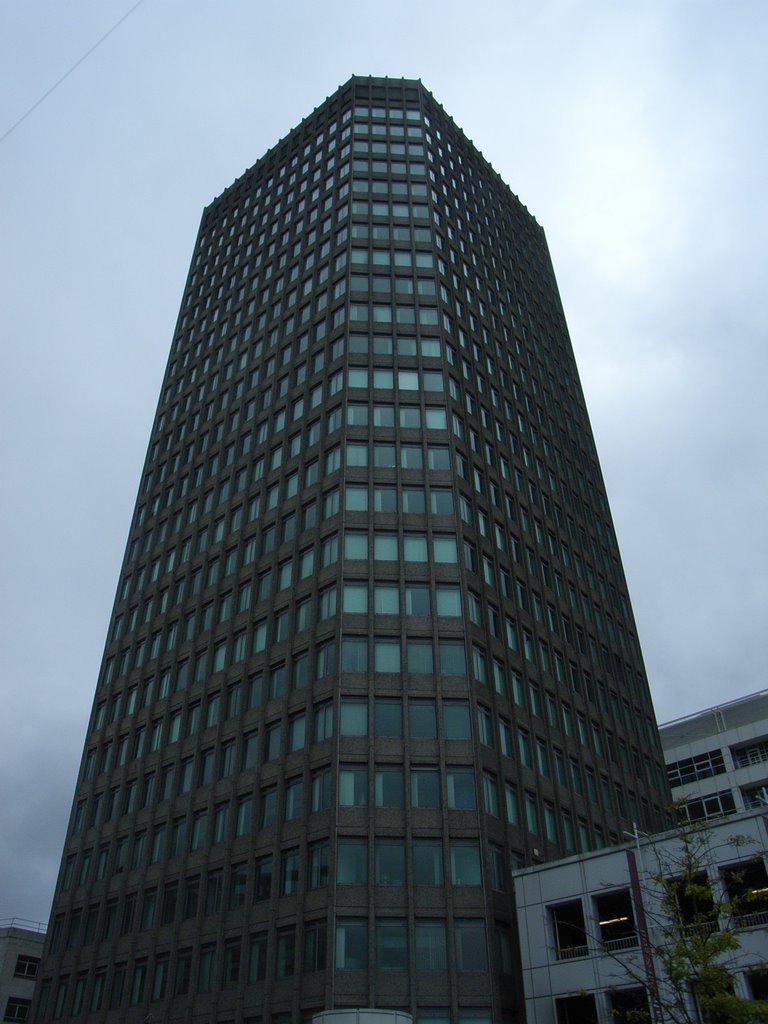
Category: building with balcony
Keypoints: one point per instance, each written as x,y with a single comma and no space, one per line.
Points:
372,645
592,927
21,949
717,759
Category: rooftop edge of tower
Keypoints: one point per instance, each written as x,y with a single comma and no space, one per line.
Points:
380,82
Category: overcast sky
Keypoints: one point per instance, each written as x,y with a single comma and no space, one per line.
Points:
635,132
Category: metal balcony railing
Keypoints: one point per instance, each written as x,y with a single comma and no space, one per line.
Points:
760,918
616,945
572,952
20,922
702,928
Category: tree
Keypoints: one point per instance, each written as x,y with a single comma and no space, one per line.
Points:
689,930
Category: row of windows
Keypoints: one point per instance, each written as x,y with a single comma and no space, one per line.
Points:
384,501
410,417
353,721
700,766
386,600
251,959
358,455
534,753
408,380
174,780
384,787
168,681
390,861
387,655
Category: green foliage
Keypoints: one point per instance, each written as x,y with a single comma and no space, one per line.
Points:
693,934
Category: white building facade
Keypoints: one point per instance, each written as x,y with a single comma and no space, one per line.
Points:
21,947
591,927
717,759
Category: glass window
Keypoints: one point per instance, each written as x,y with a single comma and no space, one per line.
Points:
417,600
388,718
355,545
326,605
425,788
386,654
441,502
427,855
323,722
422,724
289,873
354,654
448,600
315,951
419,656
384,456
471,954
431,955
353,786
465,862
352,861
321,790
391,945
415,547
456,725
357,415
460,784
390,862
296,733
385,499
268,807
356,499
353,719
411,457
413,501
512,804
257,960
286,952
355,598
388,786
410,417
490,794
453,660
351,944
357,454
484,727
318,866
438,458
385,547
444,550
386,598
436,419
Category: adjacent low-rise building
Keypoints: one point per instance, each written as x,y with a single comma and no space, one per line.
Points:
717,759
593,927
21,947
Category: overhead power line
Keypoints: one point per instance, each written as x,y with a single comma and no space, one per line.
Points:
66,74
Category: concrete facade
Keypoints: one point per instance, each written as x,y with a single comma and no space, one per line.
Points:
21,949
717,759
589,925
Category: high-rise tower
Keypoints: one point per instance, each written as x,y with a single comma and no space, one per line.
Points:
372,644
